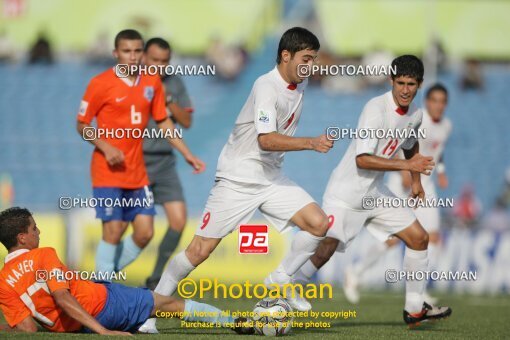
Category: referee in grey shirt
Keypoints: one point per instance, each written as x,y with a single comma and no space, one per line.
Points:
160,159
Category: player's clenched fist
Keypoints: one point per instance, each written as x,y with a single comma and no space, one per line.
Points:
196,163
417,190
113,155
321,144
421,164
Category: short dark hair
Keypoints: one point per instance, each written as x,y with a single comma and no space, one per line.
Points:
407,65
128,34
160,42
436,87
297,39
13,221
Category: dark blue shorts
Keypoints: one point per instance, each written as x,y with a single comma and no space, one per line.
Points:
126,308
116,204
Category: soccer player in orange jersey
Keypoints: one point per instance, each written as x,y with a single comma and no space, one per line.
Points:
35,286
121,103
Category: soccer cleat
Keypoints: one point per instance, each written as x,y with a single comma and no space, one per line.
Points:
243,326
149,327
350,286
297,302
427,313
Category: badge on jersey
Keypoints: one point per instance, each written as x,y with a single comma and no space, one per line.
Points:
148,92
263,117
83,108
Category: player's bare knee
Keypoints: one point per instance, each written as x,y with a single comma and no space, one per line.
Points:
142,238
318,225
178,224
198,252
424,240
420,241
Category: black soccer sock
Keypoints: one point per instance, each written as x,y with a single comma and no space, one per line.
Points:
166,248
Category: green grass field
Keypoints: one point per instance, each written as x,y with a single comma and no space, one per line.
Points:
379,315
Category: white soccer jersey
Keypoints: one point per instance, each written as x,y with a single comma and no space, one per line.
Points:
348,184
273,106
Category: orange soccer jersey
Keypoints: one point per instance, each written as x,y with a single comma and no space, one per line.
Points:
24,293
117,104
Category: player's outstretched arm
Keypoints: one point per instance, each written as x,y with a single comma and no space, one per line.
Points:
71,307
113,155
277,142
179,144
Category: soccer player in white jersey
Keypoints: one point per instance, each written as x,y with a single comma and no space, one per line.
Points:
437,130
358,179
249,175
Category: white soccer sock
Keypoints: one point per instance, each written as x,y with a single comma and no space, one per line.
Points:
303,247
176,270
369,258
305,273
415,260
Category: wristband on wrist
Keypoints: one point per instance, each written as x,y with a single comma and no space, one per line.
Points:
440,168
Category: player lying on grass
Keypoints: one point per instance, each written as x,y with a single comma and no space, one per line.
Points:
61,305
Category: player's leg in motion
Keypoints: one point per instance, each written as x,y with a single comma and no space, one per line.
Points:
132,246
176,216
313,223
433,252
141,217
107,248
416,259
324,251
189,310
183,263
178,268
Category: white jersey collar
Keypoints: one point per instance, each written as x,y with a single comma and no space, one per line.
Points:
127,81
14,254
282,81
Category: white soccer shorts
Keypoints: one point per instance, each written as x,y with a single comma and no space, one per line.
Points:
231,204
346,223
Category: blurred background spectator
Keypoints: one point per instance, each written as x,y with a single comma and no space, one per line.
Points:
472,77
41,52
467,208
